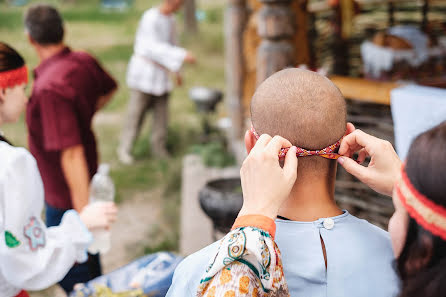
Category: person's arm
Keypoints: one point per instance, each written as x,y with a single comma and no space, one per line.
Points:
383,168
265,186
104,99
75,169
62,133
248,263
32,256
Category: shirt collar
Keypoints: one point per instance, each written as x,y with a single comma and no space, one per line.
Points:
338,218
45,64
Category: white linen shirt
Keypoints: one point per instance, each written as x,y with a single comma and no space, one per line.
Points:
359,260
32,257
155,54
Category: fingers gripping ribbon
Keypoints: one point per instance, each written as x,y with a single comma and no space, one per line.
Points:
330,152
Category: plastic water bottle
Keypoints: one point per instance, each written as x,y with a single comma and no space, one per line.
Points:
102,190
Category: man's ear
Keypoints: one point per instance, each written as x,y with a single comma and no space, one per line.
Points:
250,141
30,39
349,129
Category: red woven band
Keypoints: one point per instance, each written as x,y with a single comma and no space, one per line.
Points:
428,214
12,78
329,152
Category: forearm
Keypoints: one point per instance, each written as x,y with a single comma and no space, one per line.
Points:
103,100
75,169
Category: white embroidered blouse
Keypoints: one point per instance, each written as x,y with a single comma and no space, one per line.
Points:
32,257
155,54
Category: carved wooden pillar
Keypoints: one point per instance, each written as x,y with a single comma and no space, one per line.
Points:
235,20
276,28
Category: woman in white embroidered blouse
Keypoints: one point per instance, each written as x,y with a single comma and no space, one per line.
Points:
33,257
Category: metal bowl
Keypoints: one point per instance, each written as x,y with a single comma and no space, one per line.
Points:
221,200
205,98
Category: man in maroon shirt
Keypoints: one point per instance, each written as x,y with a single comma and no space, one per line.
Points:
69,87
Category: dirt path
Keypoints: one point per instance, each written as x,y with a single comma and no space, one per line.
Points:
138,216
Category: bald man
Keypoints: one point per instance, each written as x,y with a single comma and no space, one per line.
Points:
325,250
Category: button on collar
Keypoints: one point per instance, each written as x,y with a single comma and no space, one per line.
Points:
328,223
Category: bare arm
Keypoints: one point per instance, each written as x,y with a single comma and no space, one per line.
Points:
75,169
103,100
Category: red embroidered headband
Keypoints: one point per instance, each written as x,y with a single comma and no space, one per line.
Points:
329,152
428,214
11,78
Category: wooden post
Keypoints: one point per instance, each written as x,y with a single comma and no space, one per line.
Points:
340,46
235,20
190,20
391,14
312,37
276,28
425,21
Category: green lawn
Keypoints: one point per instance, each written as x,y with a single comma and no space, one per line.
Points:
109,36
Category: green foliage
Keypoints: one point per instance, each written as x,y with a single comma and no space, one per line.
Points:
167,244
214,154
214,15
109,35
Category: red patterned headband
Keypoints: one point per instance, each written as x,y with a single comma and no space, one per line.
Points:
429,215
329,152
11,78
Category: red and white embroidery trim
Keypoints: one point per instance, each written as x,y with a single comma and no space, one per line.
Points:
428,214
329,152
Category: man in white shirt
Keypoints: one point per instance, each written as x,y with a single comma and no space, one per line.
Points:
155,56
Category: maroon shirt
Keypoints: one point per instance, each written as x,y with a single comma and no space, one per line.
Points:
59,115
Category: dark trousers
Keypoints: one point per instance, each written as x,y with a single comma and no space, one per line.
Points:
79,273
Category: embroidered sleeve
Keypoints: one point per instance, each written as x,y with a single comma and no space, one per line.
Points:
32,256
248,263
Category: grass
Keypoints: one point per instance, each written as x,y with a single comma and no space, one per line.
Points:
109,36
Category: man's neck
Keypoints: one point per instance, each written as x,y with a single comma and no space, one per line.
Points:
165,9
46,52
311,199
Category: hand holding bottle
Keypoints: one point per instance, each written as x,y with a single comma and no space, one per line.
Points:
99,215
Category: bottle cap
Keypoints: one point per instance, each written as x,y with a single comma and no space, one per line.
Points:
104,169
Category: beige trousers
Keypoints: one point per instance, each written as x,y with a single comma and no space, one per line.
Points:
140,103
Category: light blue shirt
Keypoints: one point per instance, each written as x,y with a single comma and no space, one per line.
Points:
359,260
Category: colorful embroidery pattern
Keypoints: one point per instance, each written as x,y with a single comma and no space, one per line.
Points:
11,240
35,234
329,152
247,263
428,214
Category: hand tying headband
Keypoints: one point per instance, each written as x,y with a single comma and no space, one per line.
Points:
11,78
428,214
329,152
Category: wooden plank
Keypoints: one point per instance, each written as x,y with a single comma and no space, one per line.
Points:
365,90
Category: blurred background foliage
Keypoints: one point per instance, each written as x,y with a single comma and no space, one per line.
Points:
108,35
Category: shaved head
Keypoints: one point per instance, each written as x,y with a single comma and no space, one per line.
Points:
302,106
